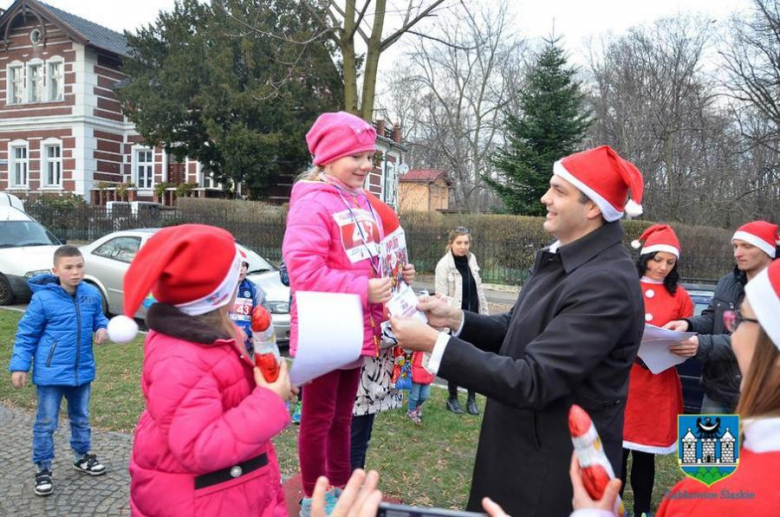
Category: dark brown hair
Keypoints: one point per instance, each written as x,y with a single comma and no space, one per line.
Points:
66,251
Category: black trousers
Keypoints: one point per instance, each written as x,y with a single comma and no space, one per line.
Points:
642,479
453,389
361,435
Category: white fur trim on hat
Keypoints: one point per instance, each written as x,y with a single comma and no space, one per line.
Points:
661,247
122,329
607,210
756,241
220,296
765,303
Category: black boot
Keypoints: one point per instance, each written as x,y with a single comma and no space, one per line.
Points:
471,404
454,406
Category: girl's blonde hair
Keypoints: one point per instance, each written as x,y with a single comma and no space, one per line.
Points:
761,392
454,234
311,174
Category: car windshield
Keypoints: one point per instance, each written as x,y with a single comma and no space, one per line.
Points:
17,234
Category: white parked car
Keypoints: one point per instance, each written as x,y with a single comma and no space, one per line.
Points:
107,259
26,250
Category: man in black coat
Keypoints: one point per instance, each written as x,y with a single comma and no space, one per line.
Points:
570,338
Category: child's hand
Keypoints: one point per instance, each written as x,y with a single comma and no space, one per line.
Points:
19,379
101,336
408,274
379,290
281,386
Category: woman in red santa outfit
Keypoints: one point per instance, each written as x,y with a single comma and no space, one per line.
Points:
752,488
654,400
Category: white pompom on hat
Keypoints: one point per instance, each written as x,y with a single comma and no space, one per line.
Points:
192,266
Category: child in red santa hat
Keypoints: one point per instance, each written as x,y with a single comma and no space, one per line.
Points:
203,445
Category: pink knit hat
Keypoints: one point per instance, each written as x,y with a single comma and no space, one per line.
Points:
335,135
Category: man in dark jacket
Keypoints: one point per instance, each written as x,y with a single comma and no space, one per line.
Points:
754,249
571,338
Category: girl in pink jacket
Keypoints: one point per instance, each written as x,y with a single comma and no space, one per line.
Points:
332,245
203,445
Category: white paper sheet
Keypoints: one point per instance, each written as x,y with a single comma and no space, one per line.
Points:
330,334
654,350
403,304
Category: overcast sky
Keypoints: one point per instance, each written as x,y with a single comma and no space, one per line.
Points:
575,20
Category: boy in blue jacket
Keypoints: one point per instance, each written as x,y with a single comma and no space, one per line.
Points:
55,338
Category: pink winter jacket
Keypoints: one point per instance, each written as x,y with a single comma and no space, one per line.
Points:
204,414
318,243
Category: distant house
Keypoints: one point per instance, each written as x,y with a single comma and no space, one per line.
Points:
424,190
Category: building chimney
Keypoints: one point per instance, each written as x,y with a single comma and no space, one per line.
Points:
380,127
397,133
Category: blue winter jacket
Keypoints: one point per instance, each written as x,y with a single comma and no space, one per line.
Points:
55,334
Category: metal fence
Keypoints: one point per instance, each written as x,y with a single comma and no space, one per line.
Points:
505,261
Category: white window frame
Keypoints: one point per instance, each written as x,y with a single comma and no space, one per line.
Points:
50,95
207,179
30,90
13,161
11,71
137,149
47,144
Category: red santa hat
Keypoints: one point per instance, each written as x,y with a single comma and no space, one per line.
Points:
193,266
606,179
658,237
763,292
760,234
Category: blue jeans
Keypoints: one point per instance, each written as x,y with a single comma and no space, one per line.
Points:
361,434
49,399
418,394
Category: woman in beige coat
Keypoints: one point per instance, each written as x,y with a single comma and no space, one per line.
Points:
457,277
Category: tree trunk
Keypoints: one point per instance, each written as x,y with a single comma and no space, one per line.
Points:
350,61
372,63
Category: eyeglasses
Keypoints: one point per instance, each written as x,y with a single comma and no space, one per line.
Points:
461,229
733,319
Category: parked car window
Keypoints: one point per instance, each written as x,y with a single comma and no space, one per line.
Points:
122,249
25,233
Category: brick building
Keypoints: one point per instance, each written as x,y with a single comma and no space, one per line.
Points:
62,130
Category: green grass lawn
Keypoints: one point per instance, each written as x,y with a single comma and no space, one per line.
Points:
428,465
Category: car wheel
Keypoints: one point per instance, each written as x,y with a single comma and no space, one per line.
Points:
6,294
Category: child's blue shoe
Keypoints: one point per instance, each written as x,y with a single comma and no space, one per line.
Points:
296,416
331,498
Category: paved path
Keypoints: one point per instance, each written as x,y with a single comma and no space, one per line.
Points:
75,494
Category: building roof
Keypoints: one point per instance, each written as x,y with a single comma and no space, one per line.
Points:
98,36
83,31
424,176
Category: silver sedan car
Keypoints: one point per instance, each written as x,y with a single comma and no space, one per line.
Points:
106,260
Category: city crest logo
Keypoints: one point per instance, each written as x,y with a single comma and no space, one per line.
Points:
708,446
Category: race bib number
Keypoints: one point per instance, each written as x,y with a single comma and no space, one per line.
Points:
359,234
242,310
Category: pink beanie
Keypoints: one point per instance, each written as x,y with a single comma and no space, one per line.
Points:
335,135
